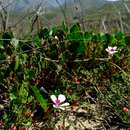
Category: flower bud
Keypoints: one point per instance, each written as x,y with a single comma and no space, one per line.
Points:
125,109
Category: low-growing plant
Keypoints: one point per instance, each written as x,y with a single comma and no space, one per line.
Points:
63,60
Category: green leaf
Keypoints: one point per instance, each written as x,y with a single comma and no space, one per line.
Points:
1,45
17,63
30,73
12,96
77,42
23,92
108,38
64,26
37,41
82,48
127,40
40,99
119,35
87,36
75,28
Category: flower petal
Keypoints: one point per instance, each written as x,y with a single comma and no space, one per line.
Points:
53,98
58,107
64,104
62,108
115,47
62,98
55,106
109,47
112,52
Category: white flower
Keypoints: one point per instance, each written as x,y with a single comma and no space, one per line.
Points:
56,38
58,102
111,50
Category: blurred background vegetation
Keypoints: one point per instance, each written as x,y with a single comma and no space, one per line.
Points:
25,16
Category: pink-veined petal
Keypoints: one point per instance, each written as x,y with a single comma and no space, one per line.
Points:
64,104
109,47
58,107
62,98
55,106
112,52
53,98
115,47
62,108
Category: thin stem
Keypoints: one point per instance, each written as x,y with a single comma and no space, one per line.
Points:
119,68
97,59
17,39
